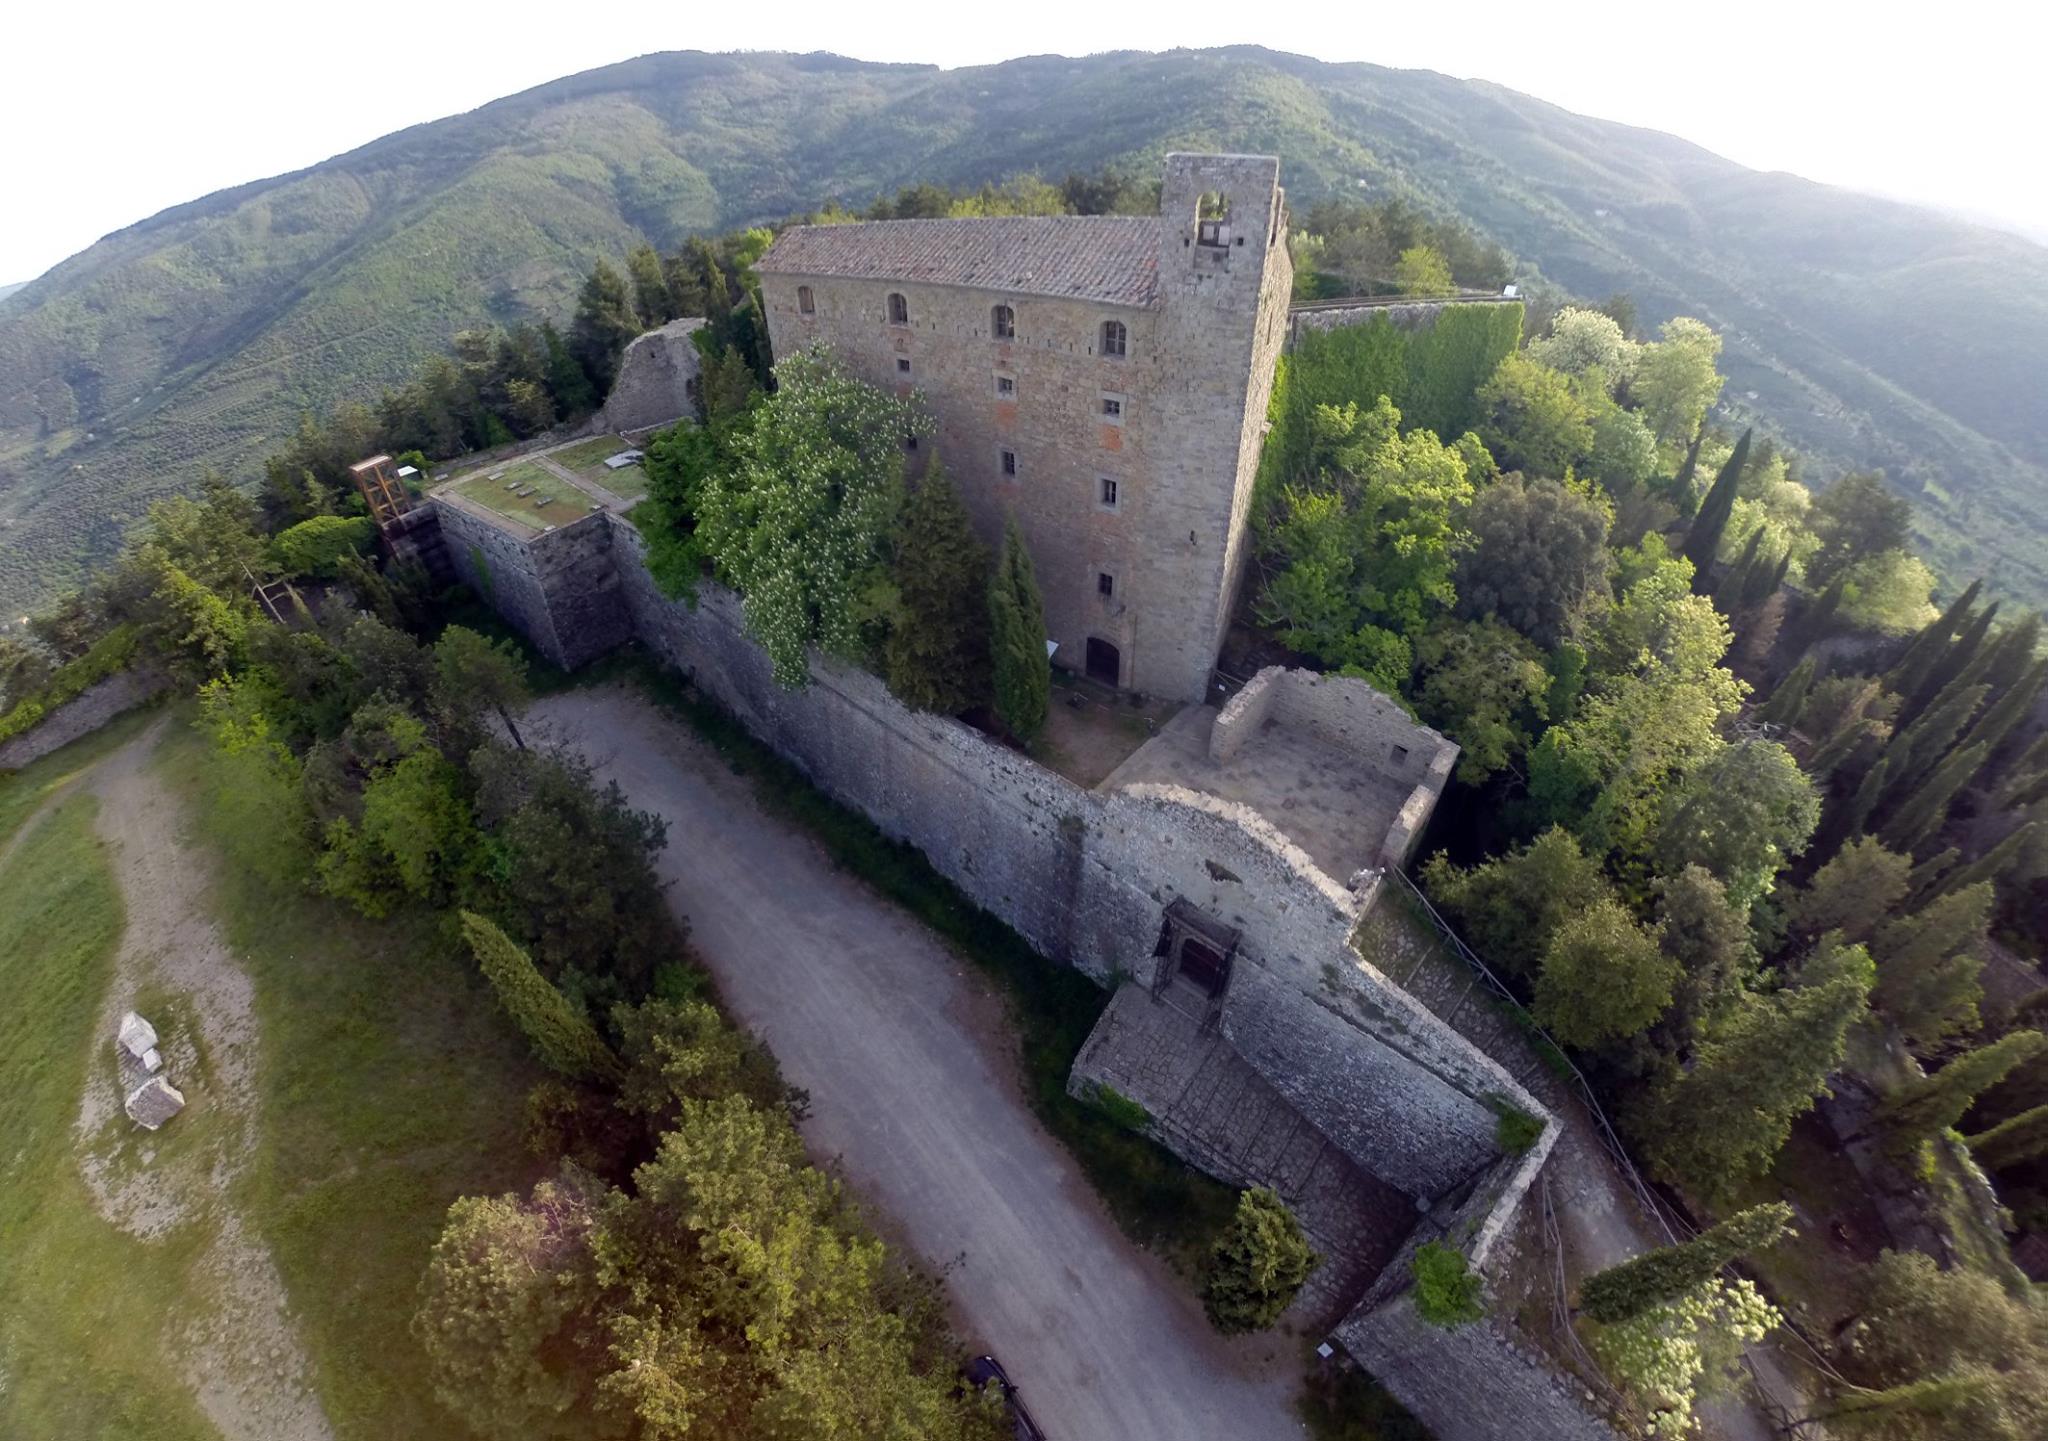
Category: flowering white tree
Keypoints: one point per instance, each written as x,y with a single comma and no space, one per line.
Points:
800,523
1671,1355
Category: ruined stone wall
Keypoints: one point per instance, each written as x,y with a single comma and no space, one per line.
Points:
83,714
558,588
1243,715
656,377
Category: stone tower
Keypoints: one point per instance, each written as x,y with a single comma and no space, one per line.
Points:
1224,285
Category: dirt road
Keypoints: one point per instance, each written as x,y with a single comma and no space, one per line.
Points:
913,1088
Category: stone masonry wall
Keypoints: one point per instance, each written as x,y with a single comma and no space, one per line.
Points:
83,714
1404,314
559,588
1084,876
656,376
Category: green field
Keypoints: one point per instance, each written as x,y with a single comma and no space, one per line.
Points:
495,490
88,1306
388,1085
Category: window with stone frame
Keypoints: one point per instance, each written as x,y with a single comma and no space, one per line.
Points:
1111,408
1002,323
1006,386
902,365
1107,494
1115,339
806,301
1105,585
899,309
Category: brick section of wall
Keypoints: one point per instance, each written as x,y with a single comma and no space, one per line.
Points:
83,714
559,589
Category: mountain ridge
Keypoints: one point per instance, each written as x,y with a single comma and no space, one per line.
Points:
1871,331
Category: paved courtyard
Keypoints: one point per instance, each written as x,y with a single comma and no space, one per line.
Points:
914,1089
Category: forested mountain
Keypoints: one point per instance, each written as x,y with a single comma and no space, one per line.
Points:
1869,332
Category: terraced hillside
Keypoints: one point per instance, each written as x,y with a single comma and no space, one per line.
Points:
1869,332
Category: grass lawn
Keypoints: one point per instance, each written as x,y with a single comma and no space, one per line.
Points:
627,483
585,453
391,1085
87,1306
564,502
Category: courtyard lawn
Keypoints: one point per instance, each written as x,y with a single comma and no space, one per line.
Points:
88,1307
628,483
560,501
391,1085
586,453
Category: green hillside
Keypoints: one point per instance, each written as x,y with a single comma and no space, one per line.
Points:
1869,332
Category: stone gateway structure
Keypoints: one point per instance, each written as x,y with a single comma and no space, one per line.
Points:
1102,378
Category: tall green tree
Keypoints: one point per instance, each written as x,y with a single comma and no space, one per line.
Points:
472,673
1857,517
1927,980
1928,646
1789,699
799,525
1708,938
1675,383
1853,893
1258,1265
1022,674
1538,560
1923,812
1509,906
2013,1141
1924,1108
1623,1292
606,323
1531,419
561,1037
1729,1115
1603,978
937,654
1743,813
1485,685
1703,538
651,299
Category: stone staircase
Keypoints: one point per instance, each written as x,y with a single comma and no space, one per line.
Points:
1412,957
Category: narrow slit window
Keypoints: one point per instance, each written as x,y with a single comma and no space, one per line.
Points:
1105,585
1009,464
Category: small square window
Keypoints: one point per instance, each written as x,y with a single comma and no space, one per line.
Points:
1105,585
1108,493
1010,463
1113,407
902,366
1006,387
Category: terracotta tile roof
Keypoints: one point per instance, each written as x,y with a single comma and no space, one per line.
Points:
1109,258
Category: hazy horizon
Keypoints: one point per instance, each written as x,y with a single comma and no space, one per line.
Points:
1790,92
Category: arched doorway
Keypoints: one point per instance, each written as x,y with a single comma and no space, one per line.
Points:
1105,662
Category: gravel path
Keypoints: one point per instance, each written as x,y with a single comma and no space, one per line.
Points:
233,1334
913,1088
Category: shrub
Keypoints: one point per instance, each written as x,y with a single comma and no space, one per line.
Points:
1258,1265
1120,1108
1448,1293
1515,1130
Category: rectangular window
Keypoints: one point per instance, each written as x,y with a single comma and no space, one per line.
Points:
1105,585
1112,408
1010,463
1006,387
902,366
805,301
1108,493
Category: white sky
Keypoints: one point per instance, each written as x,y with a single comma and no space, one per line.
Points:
110,112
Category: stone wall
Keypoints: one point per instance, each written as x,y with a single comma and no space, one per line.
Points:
1408,315
558,588
83,714
656,382
1084,876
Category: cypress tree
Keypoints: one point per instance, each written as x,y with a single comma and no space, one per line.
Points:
1924,1108
2013,703
1959,661
1994,864
2027,773
1921,885
936,657
1703,539
1922,813
1778,573
651,299
1950,1395
1864,801
1734,586
1789,699
605,325
1925,651
1621,1293
567,383
1819,618
1729,1115
560,1036
1688,469
2012,1142
1023,676
1258,1265
1927,740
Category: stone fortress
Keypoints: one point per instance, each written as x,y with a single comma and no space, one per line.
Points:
1217,877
